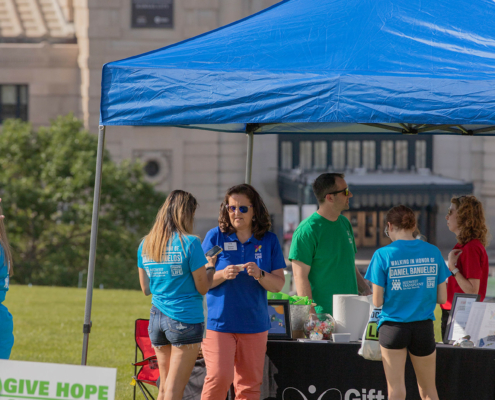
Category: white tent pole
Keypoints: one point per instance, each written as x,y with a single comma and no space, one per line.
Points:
92,245
249,158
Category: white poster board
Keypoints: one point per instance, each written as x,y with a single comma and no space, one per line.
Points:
481,325
31,380
291,218
461,308
308,210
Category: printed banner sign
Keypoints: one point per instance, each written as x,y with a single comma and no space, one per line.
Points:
31,380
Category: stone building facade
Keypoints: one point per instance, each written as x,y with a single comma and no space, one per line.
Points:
56,48
51,55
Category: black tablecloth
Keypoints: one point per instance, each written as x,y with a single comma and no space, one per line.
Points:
334,371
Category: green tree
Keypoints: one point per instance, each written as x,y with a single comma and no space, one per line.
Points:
46,185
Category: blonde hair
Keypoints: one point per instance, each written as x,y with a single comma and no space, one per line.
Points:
176,215
4,241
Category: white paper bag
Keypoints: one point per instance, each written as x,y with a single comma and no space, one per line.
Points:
370,347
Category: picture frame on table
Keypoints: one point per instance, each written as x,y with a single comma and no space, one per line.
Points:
459,313
279,314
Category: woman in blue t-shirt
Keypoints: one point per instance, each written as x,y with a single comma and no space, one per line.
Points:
250,264
408,279
173,268
6,271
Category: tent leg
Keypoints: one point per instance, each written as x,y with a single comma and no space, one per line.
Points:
92,246
249,158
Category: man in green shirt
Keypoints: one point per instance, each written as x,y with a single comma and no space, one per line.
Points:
323,248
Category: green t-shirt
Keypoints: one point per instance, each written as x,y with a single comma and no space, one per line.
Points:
329,249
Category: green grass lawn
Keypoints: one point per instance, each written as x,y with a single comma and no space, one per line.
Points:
48,328
490,289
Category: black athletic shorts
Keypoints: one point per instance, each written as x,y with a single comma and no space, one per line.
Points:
418,337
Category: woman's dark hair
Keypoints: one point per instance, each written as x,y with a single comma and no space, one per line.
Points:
261,223
402,217
471,220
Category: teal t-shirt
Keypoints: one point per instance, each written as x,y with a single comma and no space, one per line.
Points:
171,281
409,271
328,247
4,274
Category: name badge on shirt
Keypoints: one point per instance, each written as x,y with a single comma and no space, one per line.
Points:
230,246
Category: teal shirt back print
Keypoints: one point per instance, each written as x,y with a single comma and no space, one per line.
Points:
171,281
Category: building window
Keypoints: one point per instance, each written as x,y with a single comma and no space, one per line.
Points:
369,154
401,154
13,102
286,155
306,155
320,154
421,154
387,154
152,168
338,155
353,153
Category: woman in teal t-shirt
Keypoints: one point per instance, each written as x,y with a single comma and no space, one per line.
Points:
6,322
408,279
173,268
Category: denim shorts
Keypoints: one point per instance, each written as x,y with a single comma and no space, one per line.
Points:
164,330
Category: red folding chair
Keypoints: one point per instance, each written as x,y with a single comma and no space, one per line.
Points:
149,372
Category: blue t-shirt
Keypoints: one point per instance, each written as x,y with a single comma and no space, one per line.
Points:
4,274
409,271
172,283
239,305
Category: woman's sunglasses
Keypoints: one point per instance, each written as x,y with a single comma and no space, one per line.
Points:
242,209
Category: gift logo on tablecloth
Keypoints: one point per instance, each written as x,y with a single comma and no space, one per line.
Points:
336,394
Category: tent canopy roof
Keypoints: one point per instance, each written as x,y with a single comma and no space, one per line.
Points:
310,66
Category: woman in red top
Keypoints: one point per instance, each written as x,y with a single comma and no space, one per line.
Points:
468,262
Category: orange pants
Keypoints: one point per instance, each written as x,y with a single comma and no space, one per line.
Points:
233,357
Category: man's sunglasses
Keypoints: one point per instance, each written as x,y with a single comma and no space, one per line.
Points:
242,209
345,191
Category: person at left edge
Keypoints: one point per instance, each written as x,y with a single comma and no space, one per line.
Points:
173,268
237,326
6,271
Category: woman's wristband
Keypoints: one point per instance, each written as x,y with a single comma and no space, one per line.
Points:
454,271
210,268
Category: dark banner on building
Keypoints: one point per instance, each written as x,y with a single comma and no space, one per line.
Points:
152,14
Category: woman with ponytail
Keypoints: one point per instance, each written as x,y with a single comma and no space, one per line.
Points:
173,268
408,279
468,261
6,271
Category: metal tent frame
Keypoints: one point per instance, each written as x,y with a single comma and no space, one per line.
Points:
251,129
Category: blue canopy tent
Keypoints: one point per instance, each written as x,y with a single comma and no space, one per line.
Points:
318,66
